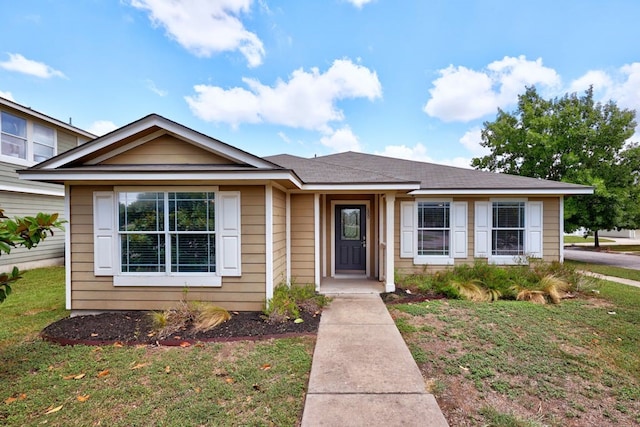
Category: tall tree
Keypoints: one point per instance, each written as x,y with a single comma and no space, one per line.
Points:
571,139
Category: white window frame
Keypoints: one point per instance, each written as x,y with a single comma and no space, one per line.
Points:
107,246
458,225
29,149
532,235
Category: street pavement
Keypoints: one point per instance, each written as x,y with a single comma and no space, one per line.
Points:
578,253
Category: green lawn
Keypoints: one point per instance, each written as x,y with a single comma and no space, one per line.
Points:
624,273
511,363
221,384
580,239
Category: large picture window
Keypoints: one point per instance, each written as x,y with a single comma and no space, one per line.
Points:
508,228
433,228
167,232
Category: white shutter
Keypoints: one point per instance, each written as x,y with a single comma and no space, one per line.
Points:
229,259
534,229
459,229
482,238
104,233
407,229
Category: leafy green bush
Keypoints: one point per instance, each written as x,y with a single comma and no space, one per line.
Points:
289,301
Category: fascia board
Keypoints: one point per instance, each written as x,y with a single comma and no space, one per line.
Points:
504,191
359,187
61,175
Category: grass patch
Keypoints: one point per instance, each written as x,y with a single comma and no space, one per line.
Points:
515,363
229,384
624,273
589,239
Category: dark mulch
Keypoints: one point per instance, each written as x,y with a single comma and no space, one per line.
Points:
135,327
404,296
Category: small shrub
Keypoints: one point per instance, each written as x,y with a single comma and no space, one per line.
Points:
203,317
209,316
289,301
470,289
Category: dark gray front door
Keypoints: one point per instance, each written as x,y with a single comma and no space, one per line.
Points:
351,237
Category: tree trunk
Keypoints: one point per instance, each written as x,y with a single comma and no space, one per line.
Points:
596,240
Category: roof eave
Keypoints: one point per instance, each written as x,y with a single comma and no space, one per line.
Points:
502,191
62,176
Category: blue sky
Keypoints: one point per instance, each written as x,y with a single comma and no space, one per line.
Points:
413,79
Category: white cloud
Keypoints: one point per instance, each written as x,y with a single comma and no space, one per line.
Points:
419,153
307,100
206,27
20,64
341,140
471,141
463,94
153,88
101,127
7,95
626,91
359,3
600,80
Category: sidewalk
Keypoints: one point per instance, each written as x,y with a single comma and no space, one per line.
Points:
363,373
628,282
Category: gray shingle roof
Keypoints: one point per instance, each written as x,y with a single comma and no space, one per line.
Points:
361,168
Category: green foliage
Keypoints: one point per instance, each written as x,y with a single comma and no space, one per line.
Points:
289,301
487,282
571,139
27,232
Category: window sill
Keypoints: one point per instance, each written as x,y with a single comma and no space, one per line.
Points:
433,260
183,280
508,260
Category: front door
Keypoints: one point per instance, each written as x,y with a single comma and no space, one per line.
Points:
351,239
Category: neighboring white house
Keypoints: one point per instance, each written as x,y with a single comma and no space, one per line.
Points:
28,137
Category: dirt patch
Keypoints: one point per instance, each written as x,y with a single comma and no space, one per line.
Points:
136,328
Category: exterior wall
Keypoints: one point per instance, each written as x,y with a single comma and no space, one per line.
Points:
90,292
551,234
166,150
279,237
66,142
302,239
52,248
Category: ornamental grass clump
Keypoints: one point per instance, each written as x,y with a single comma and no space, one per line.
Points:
199,315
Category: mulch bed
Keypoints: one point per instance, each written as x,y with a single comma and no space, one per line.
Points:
404,296
135,327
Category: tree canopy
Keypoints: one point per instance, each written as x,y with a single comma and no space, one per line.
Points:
571,139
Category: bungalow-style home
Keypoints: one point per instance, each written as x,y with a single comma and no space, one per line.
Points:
26,138
156,208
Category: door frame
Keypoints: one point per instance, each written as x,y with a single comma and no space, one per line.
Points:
367,205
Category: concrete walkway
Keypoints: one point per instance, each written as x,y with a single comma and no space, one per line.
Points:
363,373
628,282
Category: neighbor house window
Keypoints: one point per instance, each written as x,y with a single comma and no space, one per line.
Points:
508,228
25,140
433,228
167,232
43,143
14,136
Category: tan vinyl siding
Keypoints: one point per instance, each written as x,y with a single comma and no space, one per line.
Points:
66,141
279,237
302,239
9,179
21,204
98,293
169,150
551,234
